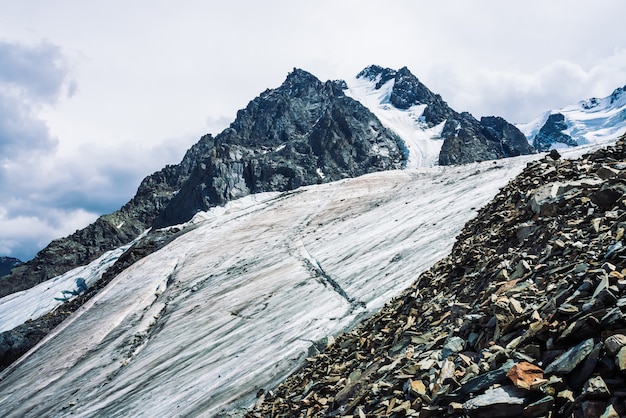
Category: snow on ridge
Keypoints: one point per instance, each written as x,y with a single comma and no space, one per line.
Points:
33,303
591,121
424,143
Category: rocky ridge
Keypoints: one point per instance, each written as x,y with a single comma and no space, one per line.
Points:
304,132
465,139
525,317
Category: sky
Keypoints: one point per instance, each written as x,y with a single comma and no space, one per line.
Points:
94,96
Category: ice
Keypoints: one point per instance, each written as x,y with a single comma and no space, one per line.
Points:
236,304
17,308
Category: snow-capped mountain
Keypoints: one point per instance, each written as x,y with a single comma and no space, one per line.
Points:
586,122
433,132
301,133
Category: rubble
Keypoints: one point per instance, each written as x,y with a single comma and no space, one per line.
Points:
525,317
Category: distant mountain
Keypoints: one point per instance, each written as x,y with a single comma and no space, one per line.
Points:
433,131
7,264
589,121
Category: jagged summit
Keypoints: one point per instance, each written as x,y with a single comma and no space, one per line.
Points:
590,121
433,131
303,132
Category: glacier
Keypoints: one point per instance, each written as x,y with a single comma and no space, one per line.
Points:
240,301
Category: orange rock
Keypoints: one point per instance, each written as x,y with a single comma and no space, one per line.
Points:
524,375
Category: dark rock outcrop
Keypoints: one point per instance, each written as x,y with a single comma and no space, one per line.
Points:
304,132
108,231
465,138
7,264
552,132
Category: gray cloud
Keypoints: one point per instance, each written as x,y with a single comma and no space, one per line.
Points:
30,76
38,71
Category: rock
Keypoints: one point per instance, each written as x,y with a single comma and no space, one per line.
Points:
595,388
620,359
540,408
614,343
525,375
452,346
479,383
552,132
610,412
507,401
568,361
593,408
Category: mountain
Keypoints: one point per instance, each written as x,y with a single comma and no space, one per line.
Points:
586,122
7,264
303,132
433,132
293,225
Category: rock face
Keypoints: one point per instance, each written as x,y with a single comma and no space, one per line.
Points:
525,317
552,132
303,132
465,138
7,264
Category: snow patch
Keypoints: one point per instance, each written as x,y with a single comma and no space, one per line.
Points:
424,142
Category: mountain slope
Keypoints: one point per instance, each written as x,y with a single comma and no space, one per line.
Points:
586,122
303,132
525,317
432,130
237,302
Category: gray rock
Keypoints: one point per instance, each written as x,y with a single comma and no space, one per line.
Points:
507,401
596,388
452,346
614,343
568,361
540,408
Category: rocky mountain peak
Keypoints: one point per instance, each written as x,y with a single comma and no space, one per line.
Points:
303,132
377,73
552,132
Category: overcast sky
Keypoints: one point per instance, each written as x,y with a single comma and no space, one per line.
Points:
96,95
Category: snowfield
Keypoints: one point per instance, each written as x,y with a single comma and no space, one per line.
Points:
238,302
